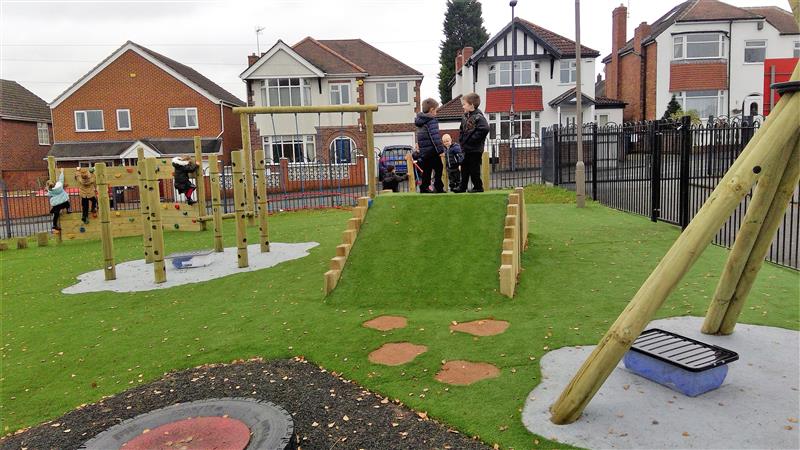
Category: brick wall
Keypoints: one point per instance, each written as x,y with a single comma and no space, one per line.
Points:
651,64
394,128
698,76
417,94
22,161
255,139
131,82
326,135
232,136
630,86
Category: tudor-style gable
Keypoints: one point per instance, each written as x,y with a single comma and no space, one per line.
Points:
281,61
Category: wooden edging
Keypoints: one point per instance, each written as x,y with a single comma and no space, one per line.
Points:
348,239
515,241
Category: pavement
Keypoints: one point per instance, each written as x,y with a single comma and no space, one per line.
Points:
756,407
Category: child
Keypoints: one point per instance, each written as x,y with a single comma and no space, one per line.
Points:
184,169
454,159
391,180
430,146
473,131
87,185
59,199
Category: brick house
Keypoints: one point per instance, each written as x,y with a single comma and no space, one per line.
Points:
329,72
137,97
707,53
25,136
544,84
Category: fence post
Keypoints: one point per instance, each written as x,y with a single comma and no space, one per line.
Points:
655,172
556,155
6,209
686,149
594,161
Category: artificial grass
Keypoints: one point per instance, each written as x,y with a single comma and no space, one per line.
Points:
59,351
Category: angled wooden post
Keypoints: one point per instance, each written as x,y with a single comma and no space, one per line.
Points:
200,178
144,206
239,205
247,168
106,238
156,229
216,202
371,175
775,137
262,201
412,179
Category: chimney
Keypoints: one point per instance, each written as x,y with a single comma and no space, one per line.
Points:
619,23
642,31
467,53
459,61
251,59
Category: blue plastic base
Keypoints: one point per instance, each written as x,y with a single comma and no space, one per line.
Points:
686,382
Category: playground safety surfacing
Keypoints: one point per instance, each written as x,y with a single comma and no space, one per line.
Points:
756,407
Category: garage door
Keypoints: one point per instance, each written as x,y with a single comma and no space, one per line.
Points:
384,139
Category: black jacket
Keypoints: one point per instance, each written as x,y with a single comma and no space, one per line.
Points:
428,137
392,180
473,131
183,171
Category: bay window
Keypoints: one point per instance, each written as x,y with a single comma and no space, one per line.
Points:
704,103
297,148
698,46
524,126
393,92
525,73
286,92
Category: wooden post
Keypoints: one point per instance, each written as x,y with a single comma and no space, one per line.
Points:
331,279
107,239
144,206
445,175
743,245
22,243
371,176
261,197
156,229
773,138
42,239
412,179
216,202
51,168
247,169
3,246
240,202
523,216
772,221
486,171
200,177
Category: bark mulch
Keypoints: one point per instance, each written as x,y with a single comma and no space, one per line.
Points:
327,410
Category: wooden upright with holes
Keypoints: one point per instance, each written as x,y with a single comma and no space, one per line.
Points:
247,167
144,206
262,201
200,178
156,230
240,203
107,239
216,202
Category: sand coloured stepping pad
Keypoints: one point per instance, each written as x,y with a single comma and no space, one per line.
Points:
195,433
482,327
463,373
386,323
396,353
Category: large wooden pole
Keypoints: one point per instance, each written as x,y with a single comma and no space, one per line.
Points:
371,175
216,202
239,204
772,221
244,120
106,238
144,208
156,230
412,179
777,134
261,197
200,177
743,245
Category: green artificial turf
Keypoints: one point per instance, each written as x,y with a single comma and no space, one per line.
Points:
59,351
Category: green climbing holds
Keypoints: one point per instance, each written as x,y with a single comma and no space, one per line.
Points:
186,213
130,219
176,226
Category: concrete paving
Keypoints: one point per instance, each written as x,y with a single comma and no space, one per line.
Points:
136,276
756,407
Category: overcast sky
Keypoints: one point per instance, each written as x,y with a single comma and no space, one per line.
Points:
47,45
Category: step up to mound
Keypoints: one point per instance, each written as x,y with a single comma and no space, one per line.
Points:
348,239
515,241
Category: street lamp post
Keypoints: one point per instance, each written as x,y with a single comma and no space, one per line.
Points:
512,3
580,169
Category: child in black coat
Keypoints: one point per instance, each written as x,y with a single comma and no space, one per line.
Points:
430,146
472,135
454,159
391,180
185,168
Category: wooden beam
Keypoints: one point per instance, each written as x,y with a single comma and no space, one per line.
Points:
302,109
106,238
144,205
247,168
262,201
200,177
216,202
372,177
156,229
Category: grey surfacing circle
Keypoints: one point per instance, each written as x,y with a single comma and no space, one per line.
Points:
271,427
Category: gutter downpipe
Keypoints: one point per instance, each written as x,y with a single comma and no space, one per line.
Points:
730,44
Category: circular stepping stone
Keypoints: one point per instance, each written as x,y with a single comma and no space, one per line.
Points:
463,373
195,433
386,323
483,327
396,353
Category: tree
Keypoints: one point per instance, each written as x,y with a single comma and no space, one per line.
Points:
672,107
463,27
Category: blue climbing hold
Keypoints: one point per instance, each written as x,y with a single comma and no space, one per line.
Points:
82,230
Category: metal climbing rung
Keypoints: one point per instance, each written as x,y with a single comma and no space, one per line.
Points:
683,352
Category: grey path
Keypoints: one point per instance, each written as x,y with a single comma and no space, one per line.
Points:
756,407
136,276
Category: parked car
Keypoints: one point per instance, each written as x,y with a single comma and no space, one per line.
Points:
395,155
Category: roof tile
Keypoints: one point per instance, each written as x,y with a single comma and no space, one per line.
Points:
18,102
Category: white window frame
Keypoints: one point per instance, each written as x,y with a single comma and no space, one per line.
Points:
353,150
306,141
572,67
382,92
497,120
43,132
119,128
683,43
682,96
754,44
186,117
85,112
336,94
503,68
280,84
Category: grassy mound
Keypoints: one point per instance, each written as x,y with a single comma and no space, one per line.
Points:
419,250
